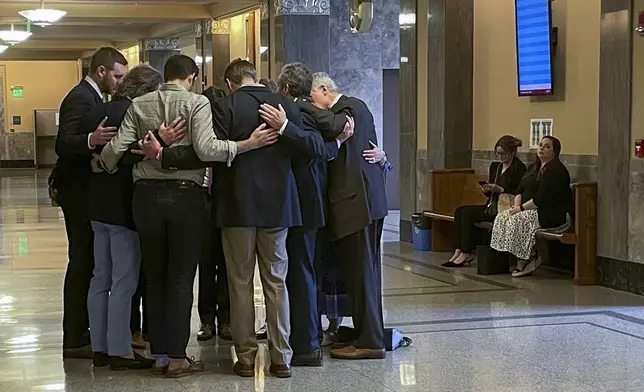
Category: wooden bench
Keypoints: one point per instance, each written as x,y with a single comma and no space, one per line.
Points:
453,188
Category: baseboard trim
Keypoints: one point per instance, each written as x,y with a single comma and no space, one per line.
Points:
17,164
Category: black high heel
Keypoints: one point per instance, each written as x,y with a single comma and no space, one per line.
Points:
451,264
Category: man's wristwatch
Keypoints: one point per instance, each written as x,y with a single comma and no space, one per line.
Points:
158,156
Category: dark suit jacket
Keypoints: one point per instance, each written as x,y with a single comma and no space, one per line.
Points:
259,189
310,169
72,170
356,188
109,197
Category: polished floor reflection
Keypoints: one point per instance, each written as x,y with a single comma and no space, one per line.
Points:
470,333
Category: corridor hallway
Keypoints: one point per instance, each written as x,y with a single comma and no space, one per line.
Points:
470,333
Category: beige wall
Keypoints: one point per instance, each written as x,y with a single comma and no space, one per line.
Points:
637,126
238,37
45,85
498,110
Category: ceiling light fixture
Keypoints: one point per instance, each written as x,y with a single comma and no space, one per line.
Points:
14,36
43,16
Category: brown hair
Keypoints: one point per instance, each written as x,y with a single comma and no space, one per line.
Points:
509,144
106,57
556,148
141,80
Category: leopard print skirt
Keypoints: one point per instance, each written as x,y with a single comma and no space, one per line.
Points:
516,233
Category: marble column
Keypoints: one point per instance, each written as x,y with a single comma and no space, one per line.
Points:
158,51
615,226
219,40
436,113
302,33
450,83
408,117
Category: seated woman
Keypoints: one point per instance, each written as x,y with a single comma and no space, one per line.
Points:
504,177
545,202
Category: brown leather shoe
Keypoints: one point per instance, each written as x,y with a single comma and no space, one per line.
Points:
158,370
352,352
280,370
192,368
244,369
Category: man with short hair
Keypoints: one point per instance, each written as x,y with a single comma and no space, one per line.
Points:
358,206
169,205
69,184
257,204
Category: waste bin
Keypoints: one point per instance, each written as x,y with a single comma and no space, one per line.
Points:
422,232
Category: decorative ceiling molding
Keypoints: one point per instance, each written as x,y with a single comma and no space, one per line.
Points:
302,7
220,26
163,44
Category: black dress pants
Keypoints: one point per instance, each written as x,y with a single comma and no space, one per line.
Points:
170,220
302,290
466,235
213,301
359,254
80,238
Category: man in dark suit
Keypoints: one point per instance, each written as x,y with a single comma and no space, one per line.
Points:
257,204
69,182
357,208
309,166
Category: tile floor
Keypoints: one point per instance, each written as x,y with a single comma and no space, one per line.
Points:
470,333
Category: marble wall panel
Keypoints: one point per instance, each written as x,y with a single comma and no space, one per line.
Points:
303,38
356,60
614,129
18,146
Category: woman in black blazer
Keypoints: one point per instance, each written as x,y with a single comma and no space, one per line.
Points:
504,177
117,256
545,202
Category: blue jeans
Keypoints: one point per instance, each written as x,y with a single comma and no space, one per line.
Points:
116,275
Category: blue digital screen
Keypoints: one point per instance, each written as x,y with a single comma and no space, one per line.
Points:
534,50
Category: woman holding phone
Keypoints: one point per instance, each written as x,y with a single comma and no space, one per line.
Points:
504,177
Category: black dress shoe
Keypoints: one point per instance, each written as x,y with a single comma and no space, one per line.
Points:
244,369
225,332
206,332
313,359
139,362
84,352
100,360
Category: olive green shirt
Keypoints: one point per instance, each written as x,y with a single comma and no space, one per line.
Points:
148,112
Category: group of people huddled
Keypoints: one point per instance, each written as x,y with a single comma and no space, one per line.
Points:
540,198
160,181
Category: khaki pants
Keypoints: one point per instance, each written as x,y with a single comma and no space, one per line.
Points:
242,245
